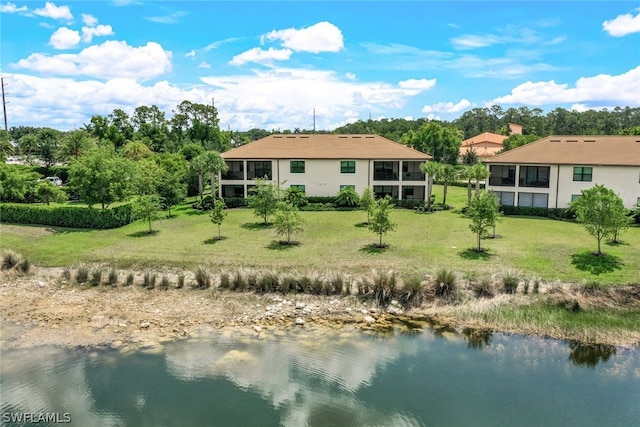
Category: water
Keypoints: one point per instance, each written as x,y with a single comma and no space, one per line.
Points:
302,378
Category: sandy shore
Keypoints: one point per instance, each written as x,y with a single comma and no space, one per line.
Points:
43,309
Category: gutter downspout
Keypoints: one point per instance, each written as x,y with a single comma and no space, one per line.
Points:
557,184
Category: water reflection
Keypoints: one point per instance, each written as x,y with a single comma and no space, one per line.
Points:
590,354
477,339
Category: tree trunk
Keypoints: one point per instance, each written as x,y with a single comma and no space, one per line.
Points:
219,235
444,194
200,187
213,187
380,240
468,191
479,247
149,219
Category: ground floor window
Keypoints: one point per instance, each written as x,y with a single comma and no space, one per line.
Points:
298,187
233,191
574,196
385,190
413,192
537,200
506,198
353,187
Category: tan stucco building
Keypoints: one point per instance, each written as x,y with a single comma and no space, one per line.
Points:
551,172
321,164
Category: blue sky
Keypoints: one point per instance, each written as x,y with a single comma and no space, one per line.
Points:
270,64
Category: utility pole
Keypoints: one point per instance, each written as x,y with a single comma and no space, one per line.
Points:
4,107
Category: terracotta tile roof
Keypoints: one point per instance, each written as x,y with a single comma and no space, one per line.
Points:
487,137
610,150
483,152
325,146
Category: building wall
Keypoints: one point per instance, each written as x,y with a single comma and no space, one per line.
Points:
624,180
323,178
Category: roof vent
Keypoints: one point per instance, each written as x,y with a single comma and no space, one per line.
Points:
370,137
554,140
291,137
356,136
343,137
277,137
589,140
304,137
572,140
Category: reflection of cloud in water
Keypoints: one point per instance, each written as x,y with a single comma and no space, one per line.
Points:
55,381
312,377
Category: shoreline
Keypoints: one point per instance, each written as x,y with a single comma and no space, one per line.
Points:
41,308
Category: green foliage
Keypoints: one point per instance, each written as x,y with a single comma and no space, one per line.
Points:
287,220
439,140
380,221
447,175
15,182
484,288
367,201
347,197
73,144
218,214
483,212
136,150
296,197
96,276
412,289
203,277
264,199
517,140
147,175
146,208
510,281
112,278
445,283
67,216
601,211
100,176
82,273
48,192
432,170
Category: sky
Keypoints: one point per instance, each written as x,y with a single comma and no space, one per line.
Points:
277,65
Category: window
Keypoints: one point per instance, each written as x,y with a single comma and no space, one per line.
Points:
348,166
233,191
581,173
502,175
296,166
574,196
353,187
235,171
534,176
259,169
506,198
298,186
413,192
411,171
385,171
385,190
538,200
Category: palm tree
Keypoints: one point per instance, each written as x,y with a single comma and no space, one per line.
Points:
199,165
73,145
215,165
447,174
431,169
479,172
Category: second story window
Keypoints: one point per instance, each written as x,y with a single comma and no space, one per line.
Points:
581,173
348,166
296,166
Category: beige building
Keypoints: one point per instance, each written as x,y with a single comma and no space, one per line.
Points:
551,172
322,164
487,144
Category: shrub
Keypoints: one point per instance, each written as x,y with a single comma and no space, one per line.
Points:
82,273
164,282
239,280
10,259
296,197
225,280
347,198
67,216
445,285
113,277
484,288
268,281
510,280
129,280
338,284
96,276
315,283
149,279
412,292
24,266
384,286
203,277
288,283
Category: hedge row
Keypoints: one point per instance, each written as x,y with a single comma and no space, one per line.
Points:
555,213
66,216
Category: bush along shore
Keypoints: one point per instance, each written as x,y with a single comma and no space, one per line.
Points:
100,306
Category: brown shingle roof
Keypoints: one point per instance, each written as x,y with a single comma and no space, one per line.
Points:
612,150
325,146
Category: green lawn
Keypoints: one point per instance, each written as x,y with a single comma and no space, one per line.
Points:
338,241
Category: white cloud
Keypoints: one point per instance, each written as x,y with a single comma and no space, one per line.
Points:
52,11
350,76
204,65
261,56
12,8
419,85
112,59
89,20
88,33
172,18
190,54
622,25
320,37
603,88
217,44
64,38
447,107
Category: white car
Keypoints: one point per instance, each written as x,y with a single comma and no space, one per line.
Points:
54,180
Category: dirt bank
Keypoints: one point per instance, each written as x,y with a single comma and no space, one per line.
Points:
42,308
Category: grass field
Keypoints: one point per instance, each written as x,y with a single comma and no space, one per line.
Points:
339,241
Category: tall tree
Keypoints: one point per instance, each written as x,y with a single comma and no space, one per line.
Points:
483,212
380,222
448,174
601,211
432,170
479,172
215,165
73,144
48,146
442,142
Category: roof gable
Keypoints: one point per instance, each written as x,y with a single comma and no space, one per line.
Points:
325,146
613,150
487,137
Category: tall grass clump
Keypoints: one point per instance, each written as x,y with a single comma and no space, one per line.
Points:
180,283
412,292
239,280
112,277
66,273
203,277
510,281
338,284
164,282
149,279
483,288
536,284
383,286
96,276
315,283
129,279
445,283
82,273
10,259
225,280
24,266
288,283
268,281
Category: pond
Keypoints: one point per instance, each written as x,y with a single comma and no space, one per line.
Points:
300,377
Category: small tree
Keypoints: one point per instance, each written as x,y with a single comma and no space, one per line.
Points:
264,199
47,192
218,214
432,170
146,207
483,211
367,200
287,220
380,222
601,211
